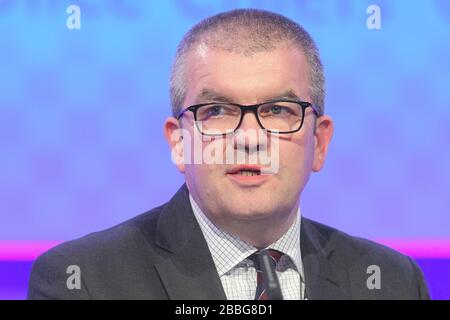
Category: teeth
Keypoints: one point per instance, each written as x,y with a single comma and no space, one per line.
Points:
248,173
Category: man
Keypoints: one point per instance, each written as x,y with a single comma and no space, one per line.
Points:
234,73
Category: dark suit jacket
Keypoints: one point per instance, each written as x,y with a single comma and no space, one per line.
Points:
162,254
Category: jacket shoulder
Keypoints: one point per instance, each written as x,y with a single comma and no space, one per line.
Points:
108,252
350,248
113,238
401,276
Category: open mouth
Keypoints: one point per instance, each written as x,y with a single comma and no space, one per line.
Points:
248,175
247,172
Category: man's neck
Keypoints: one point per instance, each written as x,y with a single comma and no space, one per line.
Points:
258,232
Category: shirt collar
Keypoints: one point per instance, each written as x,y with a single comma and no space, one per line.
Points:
228,251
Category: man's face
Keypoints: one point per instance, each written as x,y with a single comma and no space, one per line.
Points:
224,196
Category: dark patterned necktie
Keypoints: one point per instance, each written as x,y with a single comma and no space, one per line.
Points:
261,290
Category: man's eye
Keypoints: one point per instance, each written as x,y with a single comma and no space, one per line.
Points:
215,110
276,109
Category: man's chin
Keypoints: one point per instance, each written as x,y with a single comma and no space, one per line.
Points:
249,212
250,193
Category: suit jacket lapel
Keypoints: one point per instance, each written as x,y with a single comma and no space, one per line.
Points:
324,279
189,271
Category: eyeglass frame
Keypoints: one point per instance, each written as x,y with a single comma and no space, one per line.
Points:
244,108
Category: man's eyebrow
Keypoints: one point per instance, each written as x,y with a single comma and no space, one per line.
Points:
286,95
209,95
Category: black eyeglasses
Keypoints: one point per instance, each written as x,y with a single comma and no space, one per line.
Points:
277,116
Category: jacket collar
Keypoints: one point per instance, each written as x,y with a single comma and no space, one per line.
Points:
189,271
324,278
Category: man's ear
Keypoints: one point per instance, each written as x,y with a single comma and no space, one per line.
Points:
322,137
174,136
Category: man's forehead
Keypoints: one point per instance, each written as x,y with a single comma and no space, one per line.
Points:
215,76
202,49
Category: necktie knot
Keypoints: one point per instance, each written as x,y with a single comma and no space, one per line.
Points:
272,253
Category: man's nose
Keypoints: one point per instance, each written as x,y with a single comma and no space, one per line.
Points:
249,121
249,136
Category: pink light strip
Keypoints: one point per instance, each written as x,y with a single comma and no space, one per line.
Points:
420,248
416,248
24,250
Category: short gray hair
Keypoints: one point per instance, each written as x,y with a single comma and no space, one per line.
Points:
247,31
